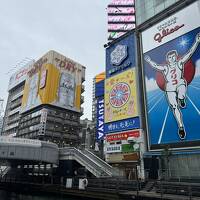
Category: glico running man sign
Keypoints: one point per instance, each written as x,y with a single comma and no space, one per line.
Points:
171,53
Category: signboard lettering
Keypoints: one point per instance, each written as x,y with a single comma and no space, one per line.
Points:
100,119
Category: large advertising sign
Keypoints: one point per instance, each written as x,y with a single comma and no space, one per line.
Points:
121,97
121,18
19,76
120,56
100,133
172,75
56,80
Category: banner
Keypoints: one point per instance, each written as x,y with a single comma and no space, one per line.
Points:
123,136
122,125
100,133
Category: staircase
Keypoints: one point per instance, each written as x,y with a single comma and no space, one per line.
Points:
90,161
4,170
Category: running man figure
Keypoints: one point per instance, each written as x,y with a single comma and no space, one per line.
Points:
176,85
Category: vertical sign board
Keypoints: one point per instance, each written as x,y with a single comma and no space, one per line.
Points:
171,56
100,119
120,56
121,18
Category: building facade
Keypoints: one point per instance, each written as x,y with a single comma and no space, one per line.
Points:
147,9
124,139
13,106
162,27
45,103
87,134
51,104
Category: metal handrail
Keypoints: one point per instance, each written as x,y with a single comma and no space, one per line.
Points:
109,169
85,160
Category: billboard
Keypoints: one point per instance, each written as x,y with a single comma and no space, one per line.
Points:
171,53
19,76
120,56
55,80
100,119
123,136
121,97
124,142
121,18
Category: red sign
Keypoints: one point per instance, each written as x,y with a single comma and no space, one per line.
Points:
21,73
122,135
165,32
119,94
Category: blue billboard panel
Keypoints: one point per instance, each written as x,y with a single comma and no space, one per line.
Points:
100,133
99,89
172,77
120,55
122,125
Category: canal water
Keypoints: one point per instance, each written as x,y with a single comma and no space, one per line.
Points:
5,195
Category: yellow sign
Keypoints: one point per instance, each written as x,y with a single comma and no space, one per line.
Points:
121,97
100,77
54,80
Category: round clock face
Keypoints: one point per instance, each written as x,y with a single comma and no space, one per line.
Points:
119,95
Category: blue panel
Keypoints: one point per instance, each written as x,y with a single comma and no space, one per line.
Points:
100,119
122,125
164,121
99,89
120,55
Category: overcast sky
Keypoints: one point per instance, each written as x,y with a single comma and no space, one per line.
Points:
76,29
